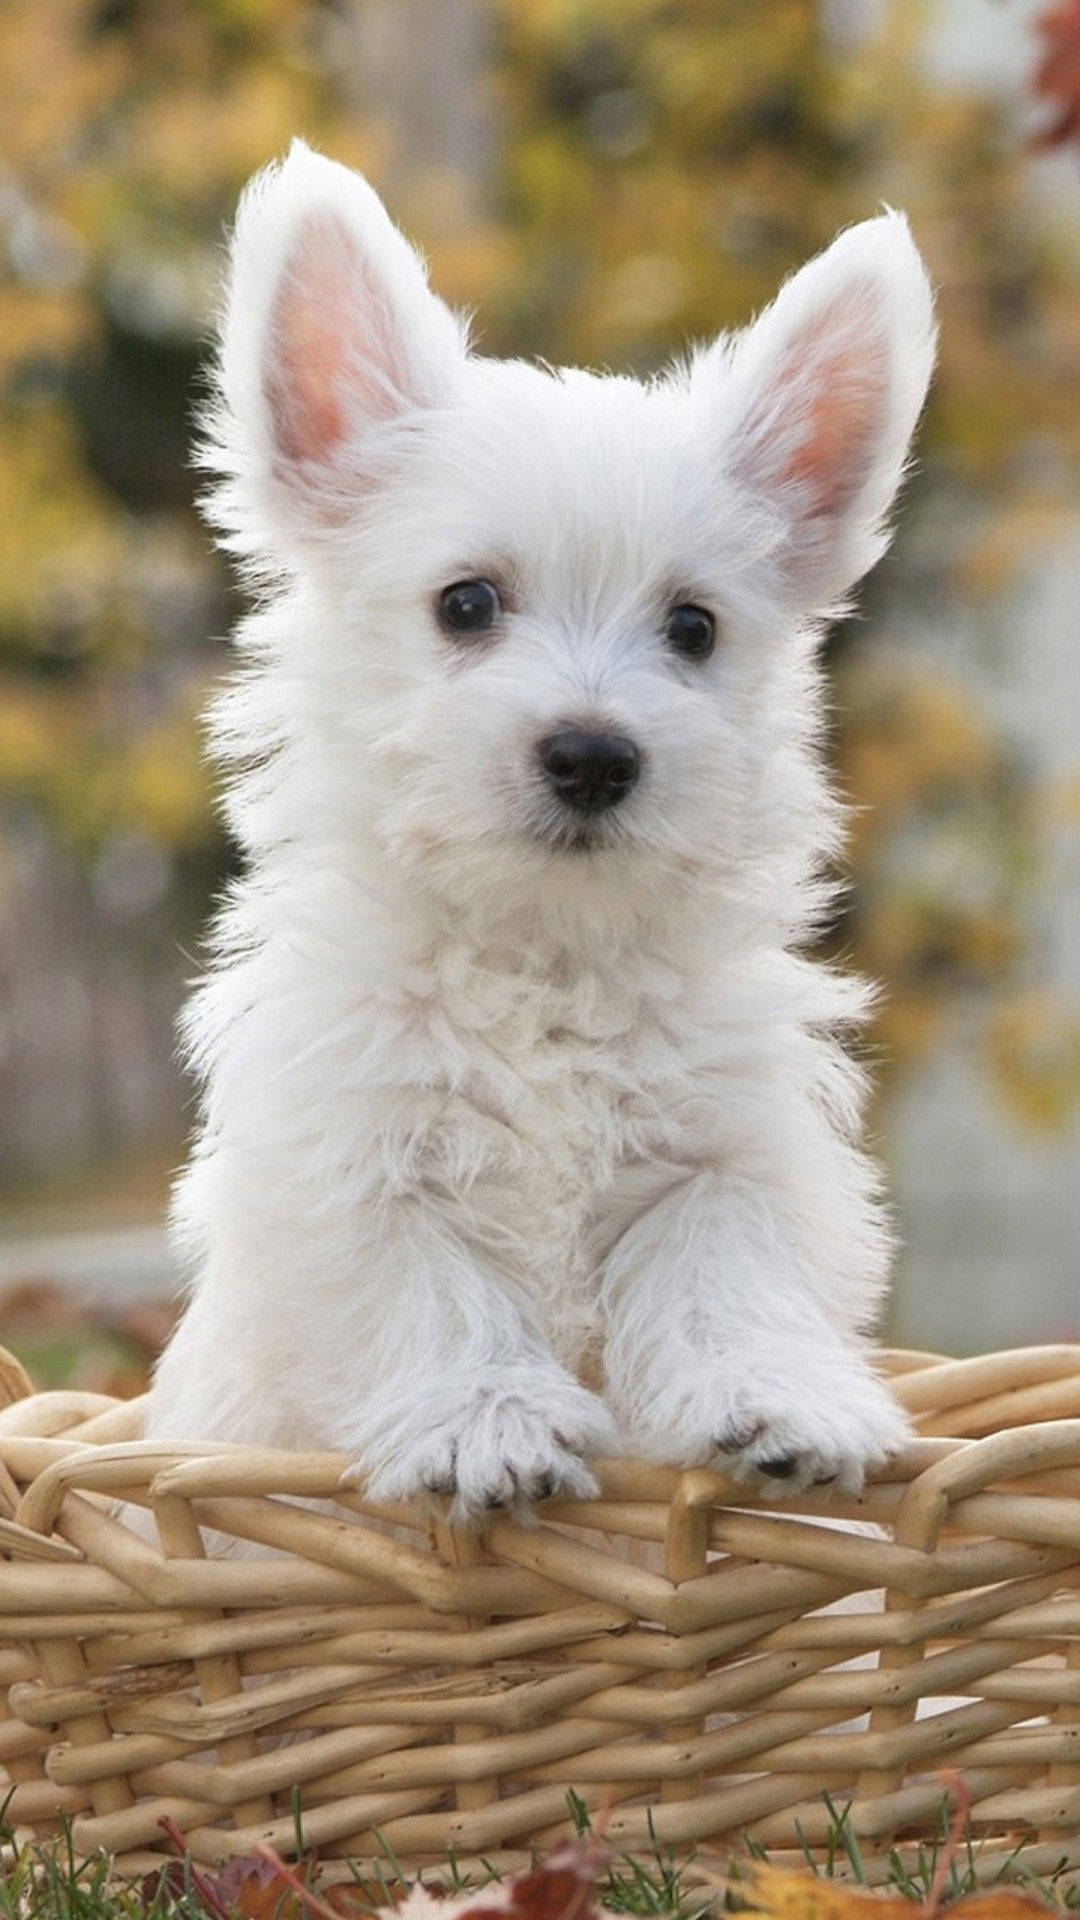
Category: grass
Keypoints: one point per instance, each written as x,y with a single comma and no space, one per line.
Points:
51,1882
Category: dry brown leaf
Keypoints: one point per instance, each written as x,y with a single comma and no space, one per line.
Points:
1005,1903
252,1888
782,1893
353,1899
785,1893
560,1889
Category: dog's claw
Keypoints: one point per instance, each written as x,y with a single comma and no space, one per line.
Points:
828,1426
784,1467
502,1454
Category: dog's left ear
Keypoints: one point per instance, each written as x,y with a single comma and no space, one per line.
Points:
816,403
331,340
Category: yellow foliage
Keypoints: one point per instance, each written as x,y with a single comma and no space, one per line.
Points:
904,734
61,543
162,787
1033,1050
658,169
1011,539
781,1893
776,1893
472,269
907,1026
33,738
36,323
905,932
56,752
56,77
205,141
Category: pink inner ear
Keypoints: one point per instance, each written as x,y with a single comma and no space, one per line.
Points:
834,377
331,349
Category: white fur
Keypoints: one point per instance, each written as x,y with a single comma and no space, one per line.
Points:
477,1106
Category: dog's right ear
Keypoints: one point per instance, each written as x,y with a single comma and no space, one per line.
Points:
331,341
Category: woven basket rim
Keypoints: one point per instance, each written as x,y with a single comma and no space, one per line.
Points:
670,1650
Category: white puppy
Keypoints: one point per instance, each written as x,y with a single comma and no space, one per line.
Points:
511,1061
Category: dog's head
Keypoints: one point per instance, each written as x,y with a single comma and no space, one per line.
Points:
552,631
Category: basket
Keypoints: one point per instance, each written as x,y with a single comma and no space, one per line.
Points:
696,1665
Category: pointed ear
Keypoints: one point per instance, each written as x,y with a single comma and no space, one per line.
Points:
331,339
817,401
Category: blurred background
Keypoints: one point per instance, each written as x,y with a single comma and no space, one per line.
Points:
599,178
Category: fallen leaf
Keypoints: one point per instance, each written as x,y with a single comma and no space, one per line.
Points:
785,1893
782,1893
169,1879
252,1887
357,1897
560,1889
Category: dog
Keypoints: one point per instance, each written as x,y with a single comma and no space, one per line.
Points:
515,1070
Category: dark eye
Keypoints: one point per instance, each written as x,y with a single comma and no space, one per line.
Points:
469,606
691,631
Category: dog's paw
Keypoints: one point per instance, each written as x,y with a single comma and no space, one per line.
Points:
494,1449
831,1440
827,1422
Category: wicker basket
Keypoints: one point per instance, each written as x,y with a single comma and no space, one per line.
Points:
445,1691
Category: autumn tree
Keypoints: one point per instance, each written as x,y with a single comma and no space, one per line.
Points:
599,179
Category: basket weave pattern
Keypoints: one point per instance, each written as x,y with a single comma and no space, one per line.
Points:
673,1651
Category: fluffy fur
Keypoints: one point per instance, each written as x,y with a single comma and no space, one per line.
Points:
481,1105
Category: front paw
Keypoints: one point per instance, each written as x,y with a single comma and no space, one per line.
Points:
788,1422
493,1447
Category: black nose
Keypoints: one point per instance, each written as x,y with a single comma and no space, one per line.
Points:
589,771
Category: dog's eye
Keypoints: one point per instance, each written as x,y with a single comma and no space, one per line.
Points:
691,631
469,606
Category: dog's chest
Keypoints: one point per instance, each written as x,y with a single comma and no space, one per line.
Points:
556,1085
